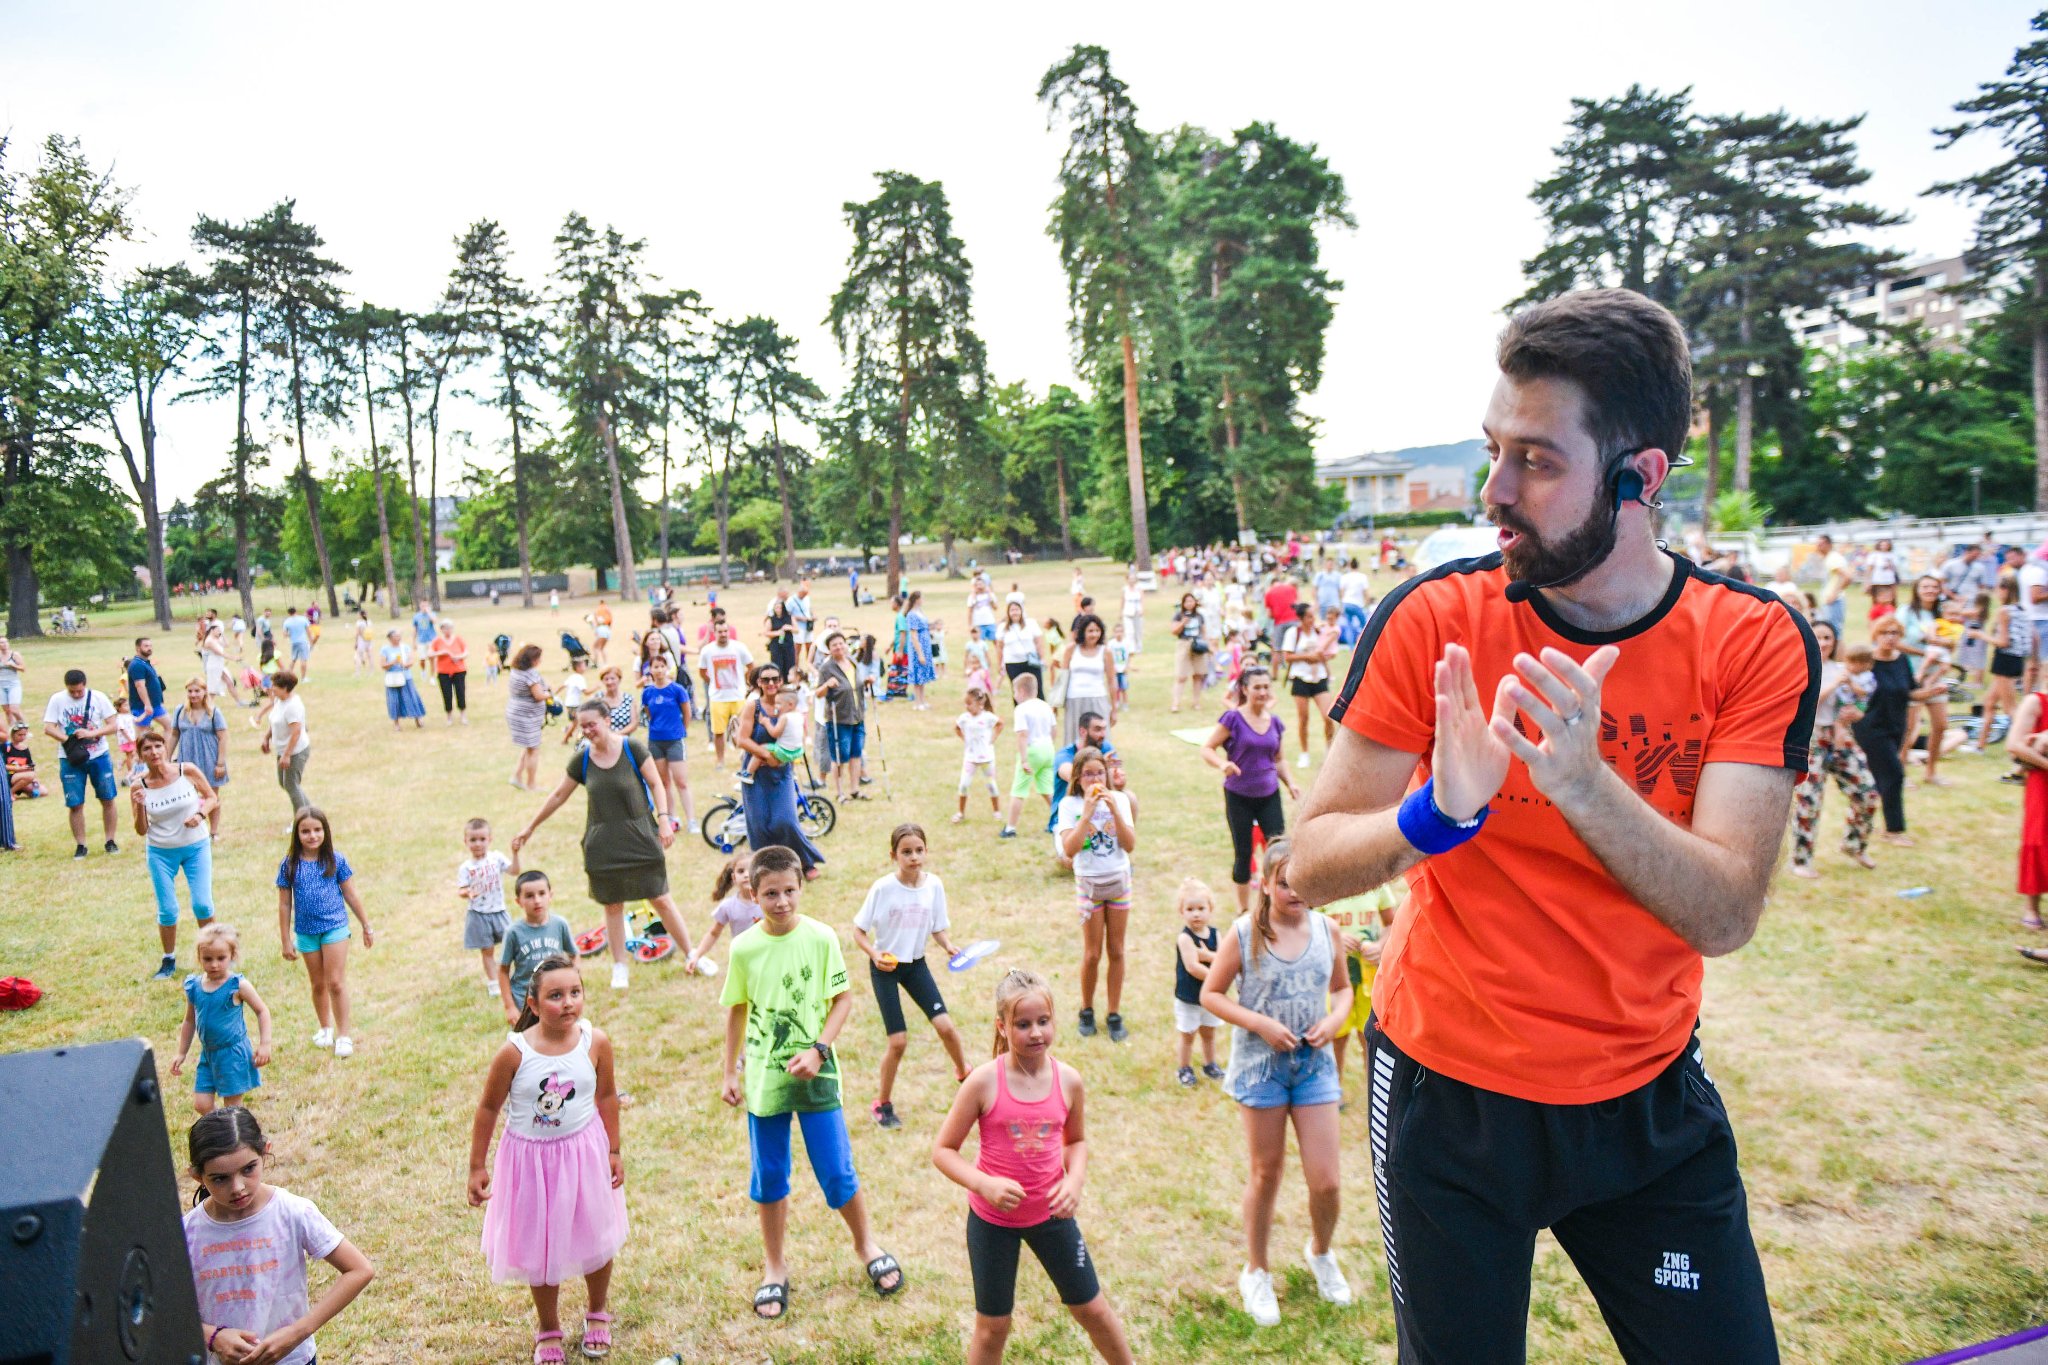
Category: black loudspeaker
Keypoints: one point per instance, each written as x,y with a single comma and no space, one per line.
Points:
93,1269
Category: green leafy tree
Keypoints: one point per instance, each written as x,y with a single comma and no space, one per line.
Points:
446,347
1043,443
364,330
677,356
778,387
235,331
1778,238
903,321
859,432
2012,219
486,524
1624,202
1257,302
56,225
1104,222
141,337
749,531
307,375
497,310
599,373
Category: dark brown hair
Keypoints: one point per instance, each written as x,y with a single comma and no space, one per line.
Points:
1629,357
527,657
553,962
772,859
225,1130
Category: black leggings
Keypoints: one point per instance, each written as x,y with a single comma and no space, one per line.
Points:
1882,751
454,691
1017,671
1241,813
992,1257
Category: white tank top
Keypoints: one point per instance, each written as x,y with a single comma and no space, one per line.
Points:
1084,675
168,808
552,1097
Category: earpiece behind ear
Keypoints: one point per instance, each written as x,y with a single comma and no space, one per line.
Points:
1628,487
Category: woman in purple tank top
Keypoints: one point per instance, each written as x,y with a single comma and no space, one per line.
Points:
1245,748
1025,1182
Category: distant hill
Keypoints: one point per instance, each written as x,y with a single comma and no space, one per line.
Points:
1467,455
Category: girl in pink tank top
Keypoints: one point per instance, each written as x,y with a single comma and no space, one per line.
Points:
1025,1182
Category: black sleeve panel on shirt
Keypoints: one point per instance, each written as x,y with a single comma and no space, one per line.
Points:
1361,653
1799,732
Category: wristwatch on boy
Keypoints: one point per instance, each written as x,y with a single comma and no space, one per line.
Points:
824,1051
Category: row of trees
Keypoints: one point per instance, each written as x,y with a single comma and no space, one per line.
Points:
1740,221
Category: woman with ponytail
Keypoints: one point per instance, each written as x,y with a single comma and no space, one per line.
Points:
1293,995
1025,1181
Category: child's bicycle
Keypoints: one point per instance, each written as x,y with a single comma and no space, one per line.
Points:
654,946
725,820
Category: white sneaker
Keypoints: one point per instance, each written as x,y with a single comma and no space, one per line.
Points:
618,976
323,1037
1330,1281
1256,1288
696,828
343,1047
490,988
1301,762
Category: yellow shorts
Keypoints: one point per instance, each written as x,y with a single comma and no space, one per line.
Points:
1361,997
722,713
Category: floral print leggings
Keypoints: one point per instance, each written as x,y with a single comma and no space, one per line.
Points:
1851,771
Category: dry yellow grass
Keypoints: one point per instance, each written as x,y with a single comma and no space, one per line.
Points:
1881,1057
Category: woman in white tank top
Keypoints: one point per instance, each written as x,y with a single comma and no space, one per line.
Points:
1086,665
170,802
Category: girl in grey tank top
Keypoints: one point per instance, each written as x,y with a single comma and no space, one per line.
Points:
1293,992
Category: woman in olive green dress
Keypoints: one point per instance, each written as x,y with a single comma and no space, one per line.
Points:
625,830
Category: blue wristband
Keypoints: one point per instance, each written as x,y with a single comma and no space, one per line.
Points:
1425,826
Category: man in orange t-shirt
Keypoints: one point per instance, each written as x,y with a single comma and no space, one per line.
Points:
1572,851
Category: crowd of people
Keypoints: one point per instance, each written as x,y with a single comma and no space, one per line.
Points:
1573,1096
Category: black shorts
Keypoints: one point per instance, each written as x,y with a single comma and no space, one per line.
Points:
992,1257
912,976
1308,689
2006,665
1641,1191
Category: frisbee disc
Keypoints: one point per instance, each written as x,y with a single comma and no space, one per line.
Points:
707,966
971,954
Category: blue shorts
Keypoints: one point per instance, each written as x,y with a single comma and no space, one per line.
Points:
150,716
668,750
986,632
825,1142
302,651
102,772
1298,1079
229,1071
1120,683
848,741
313,943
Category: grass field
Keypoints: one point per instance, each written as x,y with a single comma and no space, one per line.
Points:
1882,1058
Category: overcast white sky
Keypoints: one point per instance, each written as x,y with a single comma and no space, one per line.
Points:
730,136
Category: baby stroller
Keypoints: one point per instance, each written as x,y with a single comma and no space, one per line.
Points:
503,644
898,678
574,644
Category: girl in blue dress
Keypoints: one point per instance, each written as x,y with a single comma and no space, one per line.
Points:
214,997
917,639
401,698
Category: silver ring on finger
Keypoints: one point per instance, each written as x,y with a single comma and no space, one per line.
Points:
1574,718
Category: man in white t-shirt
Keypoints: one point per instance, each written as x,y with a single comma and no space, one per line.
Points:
1834,582
1354,590
723,666
83,718
1034,723
288,741
2034,601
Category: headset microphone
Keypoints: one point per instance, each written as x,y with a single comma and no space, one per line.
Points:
1628,487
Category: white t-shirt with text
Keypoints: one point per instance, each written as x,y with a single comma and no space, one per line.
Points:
252,1273
89,712
726,666
1102,855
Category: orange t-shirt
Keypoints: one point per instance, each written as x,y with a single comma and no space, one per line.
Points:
1521,966
444,649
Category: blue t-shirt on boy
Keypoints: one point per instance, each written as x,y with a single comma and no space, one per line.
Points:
317,906
664,707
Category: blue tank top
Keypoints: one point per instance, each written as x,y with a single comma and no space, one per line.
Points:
217,1014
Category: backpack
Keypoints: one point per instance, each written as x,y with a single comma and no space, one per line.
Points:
583,774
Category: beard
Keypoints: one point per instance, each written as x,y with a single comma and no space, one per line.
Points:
1562,562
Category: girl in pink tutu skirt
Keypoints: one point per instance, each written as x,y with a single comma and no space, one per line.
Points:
557,1204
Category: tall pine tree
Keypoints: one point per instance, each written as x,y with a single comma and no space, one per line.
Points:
2012,221
497,311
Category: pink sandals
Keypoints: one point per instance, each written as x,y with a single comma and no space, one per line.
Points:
597,1335
546,1348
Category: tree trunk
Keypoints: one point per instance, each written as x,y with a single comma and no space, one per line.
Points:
1230,445
622,533
664,473
377,483
2040,396
242,471
782,487
142,478
518,481
1745,404
952,569
902,446
412,468
1134,458
1059,477
895,531
1713,482
309,488
24,593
